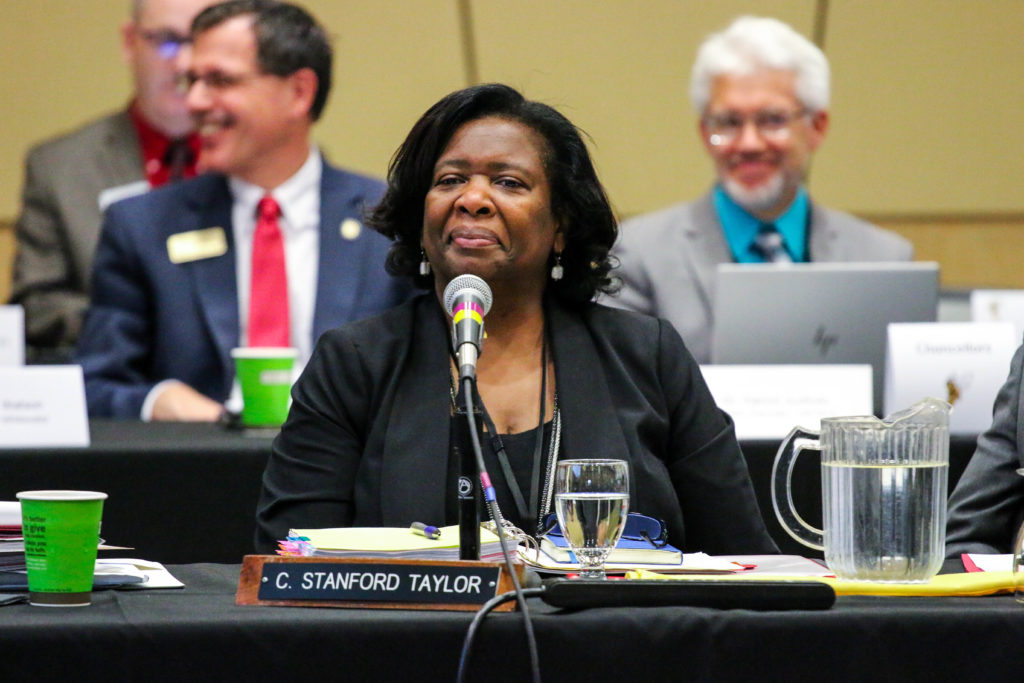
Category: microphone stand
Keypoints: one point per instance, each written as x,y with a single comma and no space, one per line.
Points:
460,451
468,384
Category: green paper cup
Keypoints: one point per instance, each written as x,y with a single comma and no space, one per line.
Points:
265,375
62,532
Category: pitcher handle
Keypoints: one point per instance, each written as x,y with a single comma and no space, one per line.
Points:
782,487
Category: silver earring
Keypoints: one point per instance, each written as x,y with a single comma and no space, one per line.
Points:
556,270
424,263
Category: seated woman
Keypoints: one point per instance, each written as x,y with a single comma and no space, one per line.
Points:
987,505
491,184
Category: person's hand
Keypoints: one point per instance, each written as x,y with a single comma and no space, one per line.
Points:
180,402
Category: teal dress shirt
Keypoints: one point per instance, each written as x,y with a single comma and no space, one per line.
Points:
741,228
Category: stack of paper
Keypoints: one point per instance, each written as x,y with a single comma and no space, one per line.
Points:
386,542
153,574
12,545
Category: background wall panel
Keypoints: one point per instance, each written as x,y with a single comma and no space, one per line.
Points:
621,72
926,119
928,108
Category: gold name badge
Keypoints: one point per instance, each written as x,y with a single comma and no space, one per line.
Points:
196,245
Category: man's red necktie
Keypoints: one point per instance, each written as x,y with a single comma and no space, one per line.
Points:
268,292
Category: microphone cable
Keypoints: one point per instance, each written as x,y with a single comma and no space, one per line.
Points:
499,522
478,619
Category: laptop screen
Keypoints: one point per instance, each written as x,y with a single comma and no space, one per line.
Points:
818,312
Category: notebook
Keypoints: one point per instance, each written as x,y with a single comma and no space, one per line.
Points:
811,313
626,551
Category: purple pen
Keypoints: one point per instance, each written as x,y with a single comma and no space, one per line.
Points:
427,530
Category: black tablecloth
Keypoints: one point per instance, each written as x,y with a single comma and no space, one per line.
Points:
178,492
182,493
200,634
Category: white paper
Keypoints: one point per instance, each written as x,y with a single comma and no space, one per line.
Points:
779,565
42,406
992,563
767,401
963,364
155,575
999,305
10,513
12,335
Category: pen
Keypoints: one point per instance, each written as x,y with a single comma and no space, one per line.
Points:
425,530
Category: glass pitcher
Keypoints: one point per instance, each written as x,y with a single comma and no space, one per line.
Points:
883,492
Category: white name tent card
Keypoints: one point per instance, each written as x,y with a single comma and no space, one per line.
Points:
962,363
999,305
42,406
12,335
767,401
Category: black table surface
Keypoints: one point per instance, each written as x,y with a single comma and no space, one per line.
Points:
184,493
198,633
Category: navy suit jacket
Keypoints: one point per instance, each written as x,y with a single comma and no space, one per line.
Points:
151,319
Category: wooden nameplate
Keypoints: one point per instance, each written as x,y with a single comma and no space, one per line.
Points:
373,583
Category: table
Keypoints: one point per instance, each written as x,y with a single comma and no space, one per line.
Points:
186,493
178,493
200,634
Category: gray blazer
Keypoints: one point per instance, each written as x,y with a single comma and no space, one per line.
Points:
987,505
59,225
669,257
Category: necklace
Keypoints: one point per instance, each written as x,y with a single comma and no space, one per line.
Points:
539,500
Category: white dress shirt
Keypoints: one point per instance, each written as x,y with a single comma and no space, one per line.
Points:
299,199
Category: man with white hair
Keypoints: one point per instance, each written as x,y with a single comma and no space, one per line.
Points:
762,93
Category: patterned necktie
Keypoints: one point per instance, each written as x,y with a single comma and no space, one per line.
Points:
768,245
268,291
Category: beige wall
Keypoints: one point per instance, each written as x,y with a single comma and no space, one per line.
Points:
6,257
927,114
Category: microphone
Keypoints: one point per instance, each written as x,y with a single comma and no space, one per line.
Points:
467,299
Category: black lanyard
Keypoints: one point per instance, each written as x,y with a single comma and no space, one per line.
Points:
538,449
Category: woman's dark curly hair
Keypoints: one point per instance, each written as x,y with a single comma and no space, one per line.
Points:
578,202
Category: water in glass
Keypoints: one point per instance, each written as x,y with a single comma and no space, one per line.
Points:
592,523
591,501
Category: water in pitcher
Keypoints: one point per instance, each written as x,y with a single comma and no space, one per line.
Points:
880,520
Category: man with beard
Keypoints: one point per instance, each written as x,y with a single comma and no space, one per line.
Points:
762,92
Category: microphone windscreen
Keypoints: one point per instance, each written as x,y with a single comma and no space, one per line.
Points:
471,282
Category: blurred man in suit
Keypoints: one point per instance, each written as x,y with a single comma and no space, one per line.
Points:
265,249
70,179
986,508
762,93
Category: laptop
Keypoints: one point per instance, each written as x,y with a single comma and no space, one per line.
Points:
811,313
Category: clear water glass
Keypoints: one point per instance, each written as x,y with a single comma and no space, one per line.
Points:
592,501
